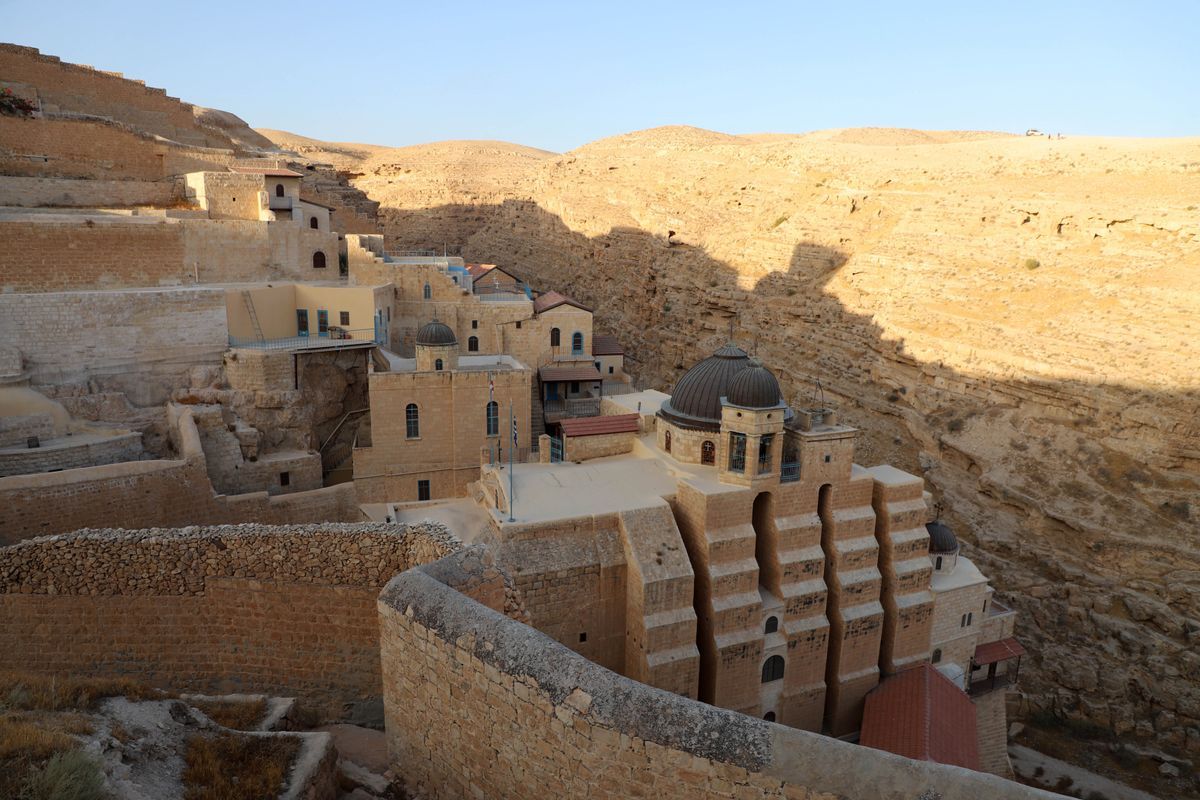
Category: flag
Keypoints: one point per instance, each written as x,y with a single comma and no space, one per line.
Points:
491,386
514,426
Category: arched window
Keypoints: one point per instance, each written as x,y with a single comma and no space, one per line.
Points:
937,656
938,563
769,716
772,669
708,453
279,190
437,365
493,418
428,292
318,260
412,422
576,342
312,223
555,337
772,625
667,441
473,344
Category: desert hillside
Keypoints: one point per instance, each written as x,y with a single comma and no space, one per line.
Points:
1013,317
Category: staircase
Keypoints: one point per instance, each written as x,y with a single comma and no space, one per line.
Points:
249,301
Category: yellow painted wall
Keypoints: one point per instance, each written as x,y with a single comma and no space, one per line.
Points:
275,307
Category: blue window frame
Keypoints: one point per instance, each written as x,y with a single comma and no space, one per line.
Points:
576,343
322,322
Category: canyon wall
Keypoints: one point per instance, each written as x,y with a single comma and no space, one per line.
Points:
1011,317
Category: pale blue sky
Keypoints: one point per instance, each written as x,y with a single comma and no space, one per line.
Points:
559,74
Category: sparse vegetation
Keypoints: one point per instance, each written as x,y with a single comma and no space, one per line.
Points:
782,219
242,715
22,691
1032,263
237,767
25,748
67,776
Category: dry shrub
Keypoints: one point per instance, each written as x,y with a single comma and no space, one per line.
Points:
231,766
241,715
67,776
33,691
20,738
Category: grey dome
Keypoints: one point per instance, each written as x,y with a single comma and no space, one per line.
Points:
696,399
436,333
941,538
754,387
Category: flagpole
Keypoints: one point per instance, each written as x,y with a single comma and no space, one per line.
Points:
511,444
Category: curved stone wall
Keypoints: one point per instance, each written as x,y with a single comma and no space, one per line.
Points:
287,609
478,704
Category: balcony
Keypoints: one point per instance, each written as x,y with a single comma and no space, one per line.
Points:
280,203
335,338
558,409
789,472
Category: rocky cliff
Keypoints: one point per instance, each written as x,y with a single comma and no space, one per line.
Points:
1015,318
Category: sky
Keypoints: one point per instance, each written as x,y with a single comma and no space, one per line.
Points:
557,75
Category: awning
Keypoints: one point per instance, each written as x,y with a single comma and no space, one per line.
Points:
596,426
581,372
1002,650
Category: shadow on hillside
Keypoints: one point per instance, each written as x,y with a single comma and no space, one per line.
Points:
1026,466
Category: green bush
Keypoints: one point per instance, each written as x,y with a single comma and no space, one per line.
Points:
1032,263
67,776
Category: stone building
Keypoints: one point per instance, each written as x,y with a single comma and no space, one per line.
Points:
433,416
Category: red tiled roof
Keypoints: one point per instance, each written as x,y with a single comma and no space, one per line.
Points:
571,372
270,172
595,426
604,345
478,270
549,300
919,713
991,652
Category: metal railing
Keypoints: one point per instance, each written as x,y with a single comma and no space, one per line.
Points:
575,407
991,683
334,337
497,455
789,472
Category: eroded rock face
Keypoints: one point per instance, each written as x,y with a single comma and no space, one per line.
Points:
1013,318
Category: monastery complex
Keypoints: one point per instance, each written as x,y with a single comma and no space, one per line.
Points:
247,446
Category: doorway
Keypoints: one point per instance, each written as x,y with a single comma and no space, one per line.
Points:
302,322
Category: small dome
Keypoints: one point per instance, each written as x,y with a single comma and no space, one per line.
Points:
754,387
436,333
696,399
941,538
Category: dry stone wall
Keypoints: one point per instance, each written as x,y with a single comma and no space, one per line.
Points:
286,609
478,704
30,192
62,455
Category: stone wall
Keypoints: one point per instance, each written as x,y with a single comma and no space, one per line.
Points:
76,88
30,192
582,448
140,494
63,454
119,338
511,713
250,608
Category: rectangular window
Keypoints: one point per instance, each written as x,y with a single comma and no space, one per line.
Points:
285,479
737,452
574,387
322,322
610,370
764,452
474,324
422,490
343,317
302,322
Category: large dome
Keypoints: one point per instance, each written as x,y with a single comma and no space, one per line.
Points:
435,334
754,387
696,400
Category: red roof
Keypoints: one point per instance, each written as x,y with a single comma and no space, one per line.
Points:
991,652
270,172
570,372
603,345
549,300
595,426
919,713
478,270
